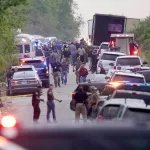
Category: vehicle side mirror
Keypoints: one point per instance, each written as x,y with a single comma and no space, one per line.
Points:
144,63
111,64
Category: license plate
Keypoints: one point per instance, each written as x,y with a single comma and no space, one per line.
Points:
24,82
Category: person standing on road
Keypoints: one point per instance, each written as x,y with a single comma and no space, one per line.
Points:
81,52
66,53
51,104
77,66
54,57
64,71
83,72
73,51
36,108
94,61
80,101
56,72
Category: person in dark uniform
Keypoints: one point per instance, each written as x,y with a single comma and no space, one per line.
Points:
35,103
80,102
94,61
56,72
51,104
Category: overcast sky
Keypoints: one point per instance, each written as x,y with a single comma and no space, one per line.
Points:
129,8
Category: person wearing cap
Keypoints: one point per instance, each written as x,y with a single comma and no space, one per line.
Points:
35,103
51,104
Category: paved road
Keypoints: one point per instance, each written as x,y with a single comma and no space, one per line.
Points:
24,110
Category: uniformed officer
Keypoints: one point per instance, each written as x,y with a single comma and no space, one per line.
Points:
77,66
56,72
50,103
80,100
35,103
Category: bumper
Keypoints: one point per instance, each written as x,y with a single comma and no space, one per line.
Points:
24,90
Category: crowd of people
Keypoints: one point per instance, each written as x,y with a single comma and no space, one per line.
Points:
61,55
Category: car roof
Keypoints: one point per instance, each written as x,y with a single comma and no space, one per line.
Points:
93,83
130,92
133,67
129,74
24,66
130,103
129,56
34,58
114,53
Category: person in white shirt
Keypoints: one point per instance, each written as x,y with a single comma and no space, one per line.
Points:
81,52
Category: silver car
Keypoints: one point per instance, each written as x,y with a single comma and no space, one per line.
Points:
25,82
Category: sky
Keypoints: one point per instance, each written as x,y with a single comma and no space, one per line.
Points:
129,8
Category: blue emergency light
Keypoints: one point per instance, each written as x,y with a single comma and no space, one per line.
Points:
36,43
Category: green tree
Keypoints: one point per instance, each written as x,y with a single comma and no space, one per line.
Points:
12,17
142,36
54,18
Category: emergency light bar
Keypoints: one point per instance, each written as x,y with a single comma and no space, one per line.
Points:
122,35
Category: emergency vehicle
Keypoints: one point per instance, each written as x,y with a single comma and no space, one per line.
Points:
26,46
125,42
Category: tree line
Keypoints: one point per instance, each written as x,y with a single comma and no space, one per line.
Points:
142,36
44,17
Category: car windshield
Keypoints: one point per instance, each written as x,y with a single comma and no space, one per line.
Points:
104,46
110,111
39,52
35,63
138,114
128,62
24,74
132,79
20,48
27,48
130,95
23,69
109,57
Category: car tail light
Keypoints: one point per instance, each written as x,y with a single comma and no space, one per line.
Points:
133,92
26,56
136,69
14,82
100,118
73,94
8,121
115,67
118,68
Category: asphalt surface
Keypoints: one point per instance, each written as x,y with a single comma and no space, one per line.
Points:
24,110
